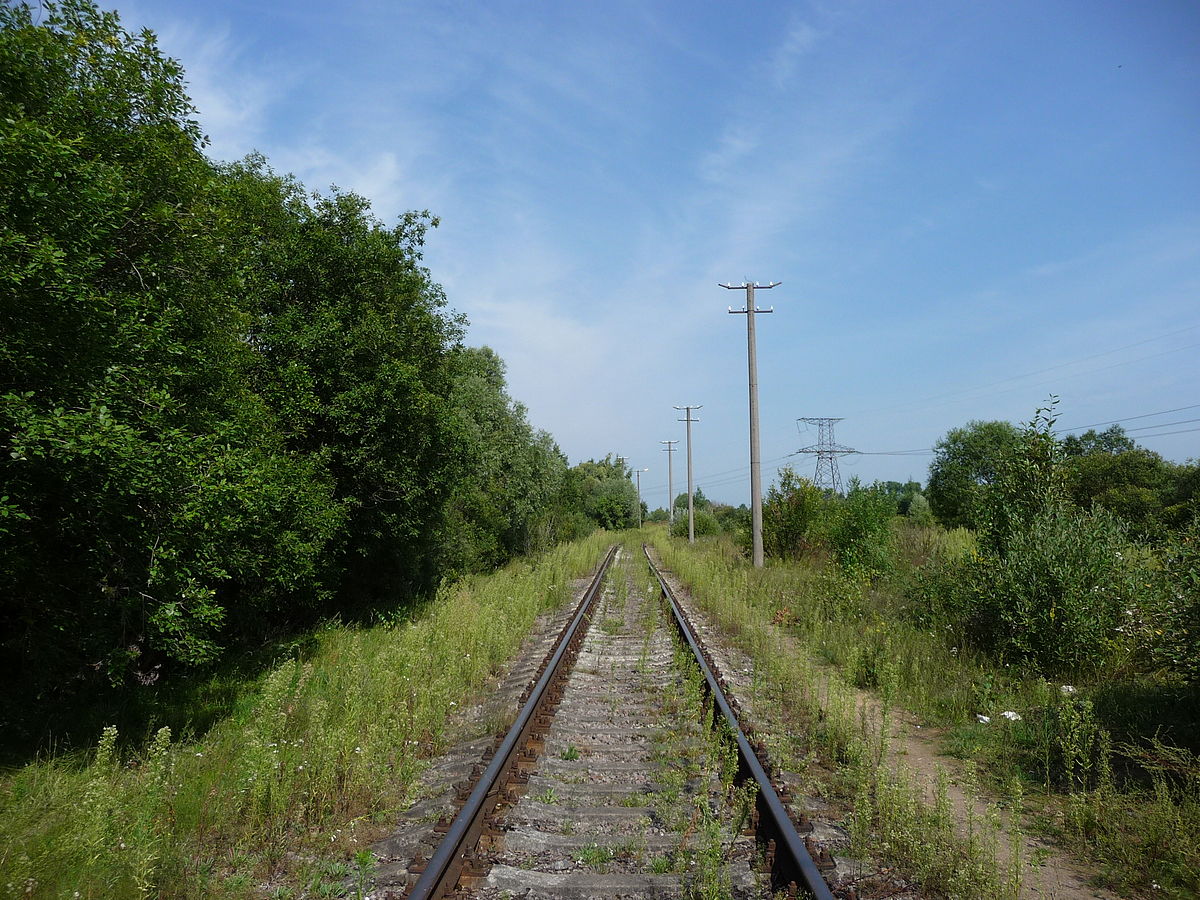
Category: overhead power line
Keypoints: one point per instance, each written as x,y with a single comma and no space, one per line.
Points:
1161,425
1161,412
965,393
1166,433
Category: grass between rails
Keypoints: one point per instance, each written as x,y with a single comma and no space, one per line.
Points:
279,794
1136,827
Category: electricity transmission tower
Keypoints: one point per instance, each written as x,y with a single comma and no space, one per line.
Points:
827,451
752,365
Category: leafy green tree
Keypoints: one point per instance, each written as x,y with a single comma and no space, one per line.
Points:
607,493
1111,440
146,483
965,462
699,501
352,349
227,406
919,510
901,492
511,474
1110,470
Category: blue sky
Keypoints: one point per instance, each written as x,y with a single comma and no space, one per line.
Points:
969,205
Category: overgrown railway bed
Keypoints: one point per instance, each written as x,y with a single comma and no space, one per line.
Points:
626,773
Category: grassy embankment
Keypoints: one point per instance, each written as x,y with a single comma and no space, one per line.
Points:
1057,761
318,753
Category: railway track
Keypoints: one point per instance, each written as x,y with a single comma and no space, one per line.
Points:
626,773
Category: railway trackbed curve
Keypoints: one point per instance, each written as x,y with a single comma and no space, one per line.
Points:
626,772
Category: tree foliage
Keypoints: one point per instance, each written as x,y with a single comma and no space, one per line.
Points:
1057,585
964,463
227,406
606,492
800,520
1109,469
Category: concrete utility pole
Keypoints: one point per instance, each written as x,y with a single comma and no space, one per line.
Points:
755,461
638,473
691,511
670,451
622,460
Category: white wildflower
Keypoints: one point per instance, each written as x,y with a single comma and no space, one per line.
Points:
982,719
1066,690
1011,716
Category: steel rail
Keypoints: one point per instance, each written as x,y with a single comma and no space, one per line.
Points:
442,871
797,865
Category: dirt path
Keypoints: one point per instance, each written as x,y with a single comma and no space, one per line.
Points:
917,747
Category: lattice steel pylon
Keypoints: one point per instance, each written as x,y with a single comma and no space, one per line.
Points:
827,451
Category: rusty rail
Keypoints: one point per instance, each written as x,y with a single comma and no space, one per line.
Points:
453,860
787,854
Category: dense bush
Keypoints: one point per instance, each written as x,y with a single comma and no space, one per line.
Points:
1171,621
859,529
1056,600
704,523
792,516
800,520
1054,586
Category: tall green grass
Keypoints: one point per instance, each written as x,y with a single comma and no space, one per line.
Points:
1135,824
890,819
320,747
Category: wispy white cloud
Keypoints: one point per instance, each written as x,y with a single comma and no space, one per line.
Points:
233,91
798,40
598,172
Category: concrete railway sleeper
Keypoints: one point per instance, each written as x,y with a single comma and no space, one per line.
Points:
626,773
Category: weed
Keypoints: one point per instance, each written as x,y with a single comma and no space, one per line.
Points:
569,753
595,856
364,866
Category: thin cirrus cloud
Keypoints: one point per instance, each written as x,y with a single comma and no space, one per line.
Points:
598,171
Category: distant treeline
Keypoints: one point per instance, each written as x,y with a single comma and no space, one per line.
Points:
228,407
1066,555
